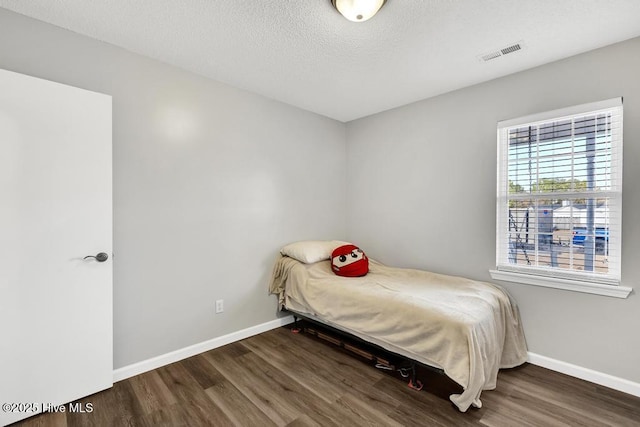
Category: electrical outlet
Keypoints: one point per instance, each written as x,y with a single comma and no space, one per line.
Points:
219,306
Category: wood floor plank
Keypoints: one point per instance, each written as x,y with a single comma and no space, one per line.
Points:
260,392
425,405
409,416
516,409
326,385
170,416
372,396
240,410
151,392
617,400
116,406
282,384
361,413
198,408
304,421
510,399
569,396
202,371
45,420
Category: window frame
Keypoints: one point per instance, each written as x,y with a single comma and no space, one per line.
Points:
608,284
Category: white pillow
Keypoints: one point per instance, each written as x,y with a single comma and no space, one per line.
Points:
310,251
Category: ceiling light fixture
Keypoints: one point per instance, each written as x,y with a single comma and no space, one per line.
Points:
358,10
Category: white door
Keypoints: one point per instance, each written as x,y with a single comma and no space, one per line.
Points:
55,209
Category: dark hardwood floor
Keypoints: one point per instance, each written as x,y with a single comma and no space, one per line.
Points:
281,378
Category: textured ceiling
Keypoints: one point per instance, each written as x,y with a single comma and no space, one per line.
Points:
304,53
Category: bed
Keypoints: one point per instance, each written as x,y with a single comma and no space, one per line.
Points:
467,329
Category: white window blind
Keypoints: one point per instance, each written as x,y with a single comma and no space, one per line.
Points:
559,198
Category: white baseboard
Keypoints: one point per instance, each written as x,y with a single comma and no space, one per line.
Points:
586,374
174,356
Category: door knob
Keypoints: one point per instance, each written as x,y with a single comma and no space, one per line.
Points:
101,257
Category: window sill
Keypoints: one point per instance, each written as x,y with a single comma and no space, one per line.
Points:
568,285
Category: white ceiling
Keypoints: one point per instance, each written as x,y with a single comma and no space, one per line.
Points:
304,53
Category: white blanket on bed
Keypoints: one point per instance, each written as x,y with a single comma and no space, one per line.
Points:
467,328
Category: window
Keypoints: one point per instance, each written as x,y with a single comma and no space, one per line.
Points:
559,199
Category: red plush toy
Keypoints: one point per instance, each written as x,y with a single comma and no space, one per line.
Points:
349,261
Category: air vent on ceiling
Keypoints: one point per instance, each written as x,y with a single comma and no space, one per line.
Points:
510,49
501,52
492,55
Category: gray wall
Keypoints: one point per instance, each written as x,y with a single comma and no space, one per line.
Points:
423,188
209,182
